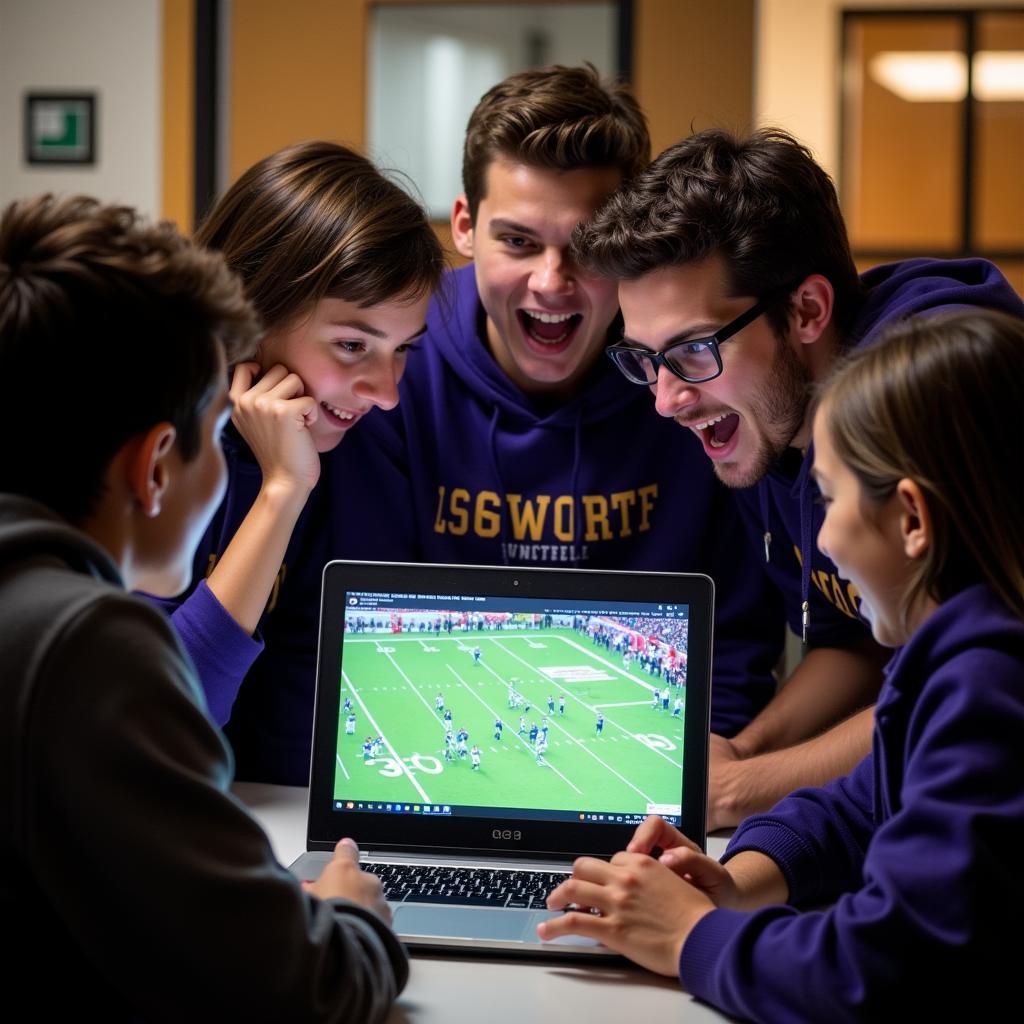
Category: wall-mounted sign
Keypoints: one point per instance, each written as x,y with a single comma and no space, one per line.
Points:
60,128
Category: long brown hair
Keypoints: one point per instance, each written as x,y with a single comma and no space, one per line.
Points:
317,220
940,400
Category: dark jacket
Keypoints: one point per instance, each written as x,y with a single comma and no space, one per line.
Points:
133,884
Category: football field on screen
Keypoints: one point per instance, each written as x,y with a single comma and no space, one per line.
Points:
393,681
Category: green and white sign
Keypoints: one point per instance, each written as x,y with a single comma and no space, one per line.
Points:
60,129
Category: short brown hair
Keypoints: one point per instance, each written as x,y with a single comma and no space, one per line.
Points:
559,118
317,220
108,326
760,203
938,400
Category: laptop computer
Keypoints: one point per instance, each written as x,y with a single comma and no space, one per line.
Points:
477,729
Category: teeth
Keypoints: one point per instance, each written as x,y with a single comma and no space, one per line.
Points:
340,413
711,422
550,318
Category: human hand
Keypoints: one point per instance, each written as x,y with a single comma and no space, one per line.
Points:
273,414
684,857
725,769
644,910
343,878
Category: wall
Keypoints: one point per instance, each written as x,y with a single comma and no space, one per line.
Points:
112,47
299,70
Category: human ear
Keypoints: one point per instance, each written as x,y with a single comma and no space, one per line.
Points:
148,469
915,519
462,227
813,301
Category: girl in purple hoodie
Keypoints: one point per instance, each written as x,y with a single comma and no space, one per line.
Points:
915,854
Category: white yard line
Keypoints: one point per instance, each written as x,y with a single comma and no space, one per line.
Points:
341,765
377,729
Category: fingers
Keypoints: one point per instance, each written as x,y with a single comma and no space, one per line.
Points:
346,849
279,380
653,832
579,893
574,923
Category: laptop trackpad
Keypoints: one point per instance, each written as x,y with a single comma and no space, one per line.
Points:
481,923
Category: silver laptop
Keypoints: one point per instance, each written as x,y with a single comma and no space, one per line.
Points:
477,728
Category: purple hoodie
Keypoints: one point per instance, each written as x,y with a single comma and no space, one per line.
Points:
918,850
782,514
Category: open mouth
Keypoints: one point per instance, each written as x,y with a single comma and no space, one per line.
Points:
717,432
339,417
550,331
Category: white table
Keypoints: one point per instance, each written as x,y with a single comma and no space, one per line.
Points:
446,988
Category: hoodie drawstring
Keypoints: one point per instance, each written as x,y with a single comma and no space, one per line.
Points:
492,450
805,556
577,500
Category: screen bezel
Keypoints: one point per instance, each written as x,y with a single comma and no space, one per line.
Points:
465,835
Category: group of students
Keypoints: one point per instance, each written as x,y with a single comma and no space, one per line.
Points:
847,469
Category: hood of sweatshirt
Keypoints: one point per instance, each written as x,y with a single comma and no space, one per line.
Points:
892,292
30,530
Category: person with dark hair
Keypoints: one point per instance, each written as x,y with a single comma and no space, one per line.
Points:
914,854
340,264
515,442
135,877
738,293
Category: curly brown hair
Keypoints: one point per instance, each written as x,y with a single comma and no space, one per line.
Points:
761,203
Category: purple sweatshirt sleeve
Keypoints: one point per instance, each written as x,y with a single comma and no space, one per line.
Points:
220,649
922,930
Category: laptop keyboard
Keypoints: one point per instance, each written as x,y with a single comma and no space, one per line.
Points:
463,886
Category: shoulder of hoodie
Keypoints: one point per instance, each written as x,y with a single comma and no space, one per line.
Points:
896,290
454,364
60,572
971,629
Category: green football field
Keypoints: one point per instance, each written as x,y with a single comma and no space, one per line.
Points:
633,766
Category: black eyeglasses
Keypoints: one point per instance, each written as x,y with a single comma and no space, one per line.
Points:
696,360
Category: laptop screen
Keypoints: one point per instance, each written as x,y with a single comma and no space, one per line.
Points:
455,703
511,707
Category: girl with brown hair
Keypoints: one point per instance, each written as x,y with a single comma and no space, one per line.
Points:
340,263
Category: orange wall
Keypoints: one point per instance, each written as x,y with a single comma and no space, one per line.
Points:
178,111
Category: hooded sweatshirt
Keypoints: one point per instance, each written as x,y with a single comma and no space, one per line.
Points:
130,873
918,849
468,470
782,513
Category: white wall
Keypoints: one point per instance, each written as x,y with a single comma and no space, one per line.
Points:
111,47
796,81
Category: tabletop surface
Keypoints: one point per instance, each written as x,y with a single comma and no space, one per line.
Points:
517,990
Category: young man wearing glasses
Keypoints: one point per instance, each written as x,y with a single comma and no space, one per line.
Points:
738,293
516,442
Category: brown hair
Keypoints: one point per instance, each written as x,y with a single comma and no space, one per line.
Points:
108,326
760,203
316,220
939,400
559,118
